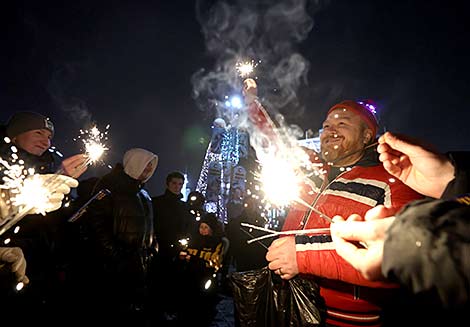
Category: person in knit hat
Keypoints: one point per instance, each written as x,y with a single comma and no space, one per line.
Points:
349,179
349,128
32,134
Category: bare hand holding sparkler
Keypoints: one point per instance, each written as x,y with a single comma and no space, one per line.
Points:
75,166
94,146
415,164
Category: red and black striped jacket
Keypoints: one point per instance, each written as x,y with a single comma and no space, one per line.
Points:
351,300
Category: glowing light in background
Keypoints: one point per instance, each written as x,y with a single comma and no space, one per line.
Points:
234,101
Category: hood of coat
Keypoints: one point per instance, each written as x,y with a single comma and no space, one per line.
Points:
136,160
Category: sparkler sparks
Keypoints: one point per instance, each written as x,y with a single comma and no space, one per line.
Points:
26,191
285,172
94,141
280,183
246,68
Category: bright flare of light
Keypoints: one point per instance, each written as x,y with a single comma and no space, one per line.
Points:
280,181
94,141
94,151
27,189
207,284
33,194
246,68
236,102
184,241
19,286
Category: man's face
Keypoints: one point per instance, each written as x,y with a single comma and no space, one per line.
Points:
175,185
147,171
35,142
344,133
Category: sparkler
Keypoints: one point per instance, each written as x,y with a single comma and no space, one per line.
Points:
272,233
94,142
246,68
27,190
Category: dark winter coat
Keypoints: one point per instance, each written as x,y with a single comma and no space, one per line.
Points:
172,222
122,223
427,249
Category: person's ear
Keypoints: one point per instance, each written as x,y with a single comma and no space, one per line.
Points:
367,136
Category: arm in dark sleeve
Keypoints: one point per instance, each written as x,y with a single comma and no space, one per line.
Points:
461,182
101,221
427,250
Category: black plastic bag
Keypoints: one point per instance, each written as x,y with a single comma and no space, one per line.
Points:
264,299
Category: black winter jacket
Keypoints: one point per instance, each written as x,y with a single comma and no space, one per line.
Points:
427,247
172,220
122,223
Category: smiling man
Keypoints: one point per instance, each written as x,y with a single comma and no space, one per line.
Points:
354,182
32,134
347,130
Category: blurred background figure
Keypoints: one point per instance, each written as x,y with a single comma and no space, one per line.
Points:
172,222
200,261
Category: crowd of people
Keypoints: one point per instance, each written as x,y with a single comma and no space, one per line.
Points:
397,243
122,260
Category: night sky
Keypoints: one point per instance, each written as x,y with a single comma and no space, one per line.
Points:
153,69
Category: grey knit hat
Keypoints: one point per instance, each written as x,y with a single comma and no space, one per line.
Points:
26,121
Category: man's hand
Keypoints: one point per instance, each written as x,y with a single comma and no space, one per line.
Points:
426,171
250,90
282,257
13,259
361,242
74,166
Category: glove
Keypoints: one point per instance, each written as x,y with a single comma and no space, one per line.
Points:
14,259
4,207
56,187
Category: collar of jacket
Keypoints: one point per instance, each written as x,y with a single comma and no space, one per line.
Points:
169,194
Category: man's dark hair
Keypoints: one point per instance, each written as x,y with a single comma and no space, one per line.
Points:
174,174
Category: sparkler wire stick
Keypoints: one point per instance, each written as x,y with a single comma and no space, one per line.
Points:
249,234
354,152
101,194
273,233
318,212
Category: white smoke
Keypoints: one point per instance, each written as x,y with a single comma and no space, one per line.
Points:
269,31
62,91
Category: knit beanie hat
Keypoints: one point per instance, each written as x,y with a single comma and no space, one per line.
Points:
25,121
365,109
